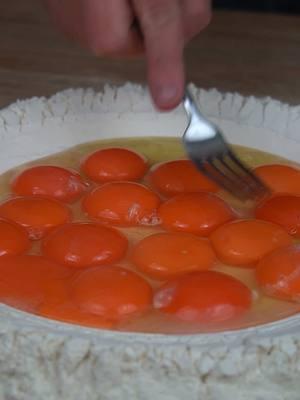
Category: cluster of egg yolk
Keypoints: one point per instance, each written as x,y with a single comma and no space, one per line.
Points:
76,276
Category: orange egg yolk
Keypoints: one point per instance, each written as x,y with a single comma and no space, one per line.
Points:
280,178
84,244
165,255
111,292
13,238
37,215
26,281
245,242
123,204
114,164
68,312
283,210
198,213
204,296
179,176
55,182
278,274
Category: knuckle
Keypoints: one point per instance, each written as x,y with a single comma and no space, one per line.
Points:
198,17
157,14
206,18
202,12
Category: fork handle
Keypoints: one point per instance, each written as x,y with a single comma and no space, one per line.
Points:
190,105
200,128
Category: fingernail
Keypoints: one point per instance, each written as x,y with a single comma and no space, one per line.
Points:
167,96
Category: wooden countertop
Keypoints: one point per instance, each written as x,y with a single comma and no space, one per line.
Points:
254,54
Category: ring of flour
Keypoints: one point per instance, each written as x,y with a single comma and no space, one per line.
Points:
40,358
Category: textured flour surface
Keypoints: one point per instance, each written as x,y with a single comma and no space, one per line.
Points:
41,359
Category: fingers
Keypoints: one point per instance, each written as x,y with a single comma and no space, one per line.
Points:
108,26
102,26
105,26
196,16
162,28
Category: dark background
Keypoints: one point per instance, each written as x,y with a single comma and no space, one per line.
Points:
281,6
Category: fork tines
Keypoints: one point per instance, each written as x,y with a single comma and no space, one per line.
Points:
230,173
209,151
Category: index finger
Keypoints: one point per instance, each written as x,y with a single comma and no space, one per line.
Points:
162,27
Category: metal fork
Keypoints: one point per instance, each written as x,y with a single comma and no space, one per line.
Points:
212,155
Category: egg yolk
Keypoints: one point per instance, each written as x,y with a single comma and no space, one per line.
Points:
55,182
179,176
278,274
37,215
280,178
198,213
203,297
13,238
114,164
165,255
244,243
68,312
283,210
26,281
83,244
123,204
111,292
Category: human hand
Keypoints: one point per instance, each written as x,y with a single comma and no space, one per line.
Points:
165,26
